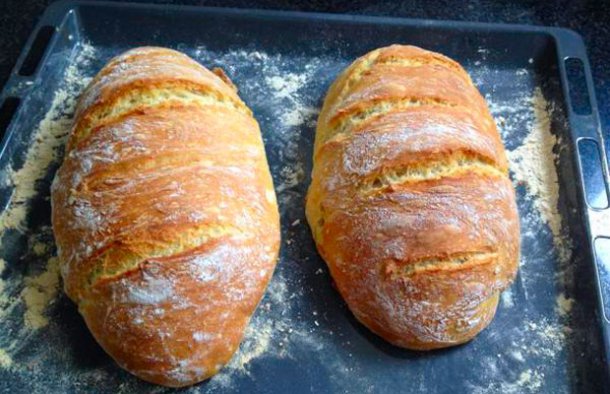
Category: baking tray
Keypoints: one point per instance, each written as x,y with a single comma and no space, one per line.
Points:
550,333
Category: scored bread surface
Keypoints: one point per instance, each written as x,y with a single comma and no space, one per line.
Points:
165,215
410,202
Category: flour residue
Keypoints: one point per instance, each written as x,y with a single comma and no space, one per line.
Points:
538,342
507,298
39,291
533,164
40,248
294,113
33,293
544,338
2,267
564,305
152,291
50,135
5,359
298,116
528,381
531,380
285,86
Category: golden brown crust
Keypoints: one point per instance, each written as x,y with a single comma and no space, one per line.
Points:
165,216
130,75
410,202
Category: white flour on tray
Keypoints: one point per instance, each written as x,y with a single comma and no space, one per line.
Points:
533,165
36,292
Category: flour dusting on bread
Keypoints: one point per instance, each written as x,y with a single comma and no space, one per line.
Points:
152,291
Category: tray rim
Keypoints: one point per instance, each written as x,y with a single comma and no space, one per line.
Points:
55,14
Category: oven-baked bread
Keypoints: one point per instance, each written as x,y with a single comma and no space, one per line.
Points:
165,215
410,202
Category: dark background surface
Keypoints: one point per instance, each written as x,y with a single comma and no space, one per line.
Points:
590,18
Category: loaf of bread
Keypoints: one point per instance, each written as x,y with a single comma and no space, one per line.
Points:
165,215
410,203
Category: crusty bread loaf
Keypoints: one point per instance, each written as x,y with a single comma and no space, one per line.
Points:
165,215
410,202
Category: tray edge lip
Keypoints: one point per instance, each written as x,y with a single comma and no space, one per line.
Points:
339,16
57,11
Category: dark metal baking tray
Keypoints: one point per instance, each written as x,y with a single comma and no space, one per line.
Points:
303,338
